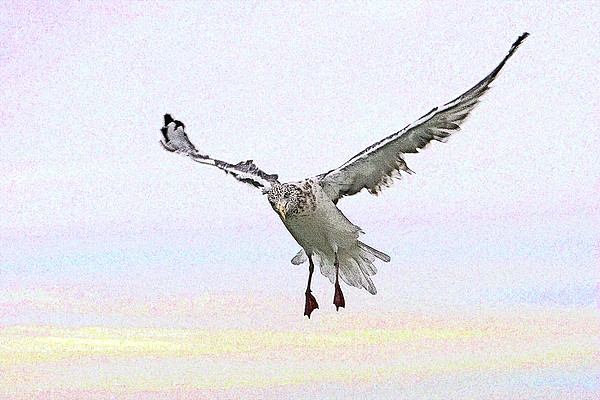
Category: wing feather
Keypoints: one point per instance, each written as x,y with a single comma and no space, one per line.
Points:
177,141
374,167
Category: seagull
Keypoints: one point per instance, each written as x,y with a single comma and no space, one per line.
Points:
308,208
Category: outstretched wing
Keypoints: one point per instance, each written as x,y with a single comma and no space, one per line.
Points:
177,141
374,167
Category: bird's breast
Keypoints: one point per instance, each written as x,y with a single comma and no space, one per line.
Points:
318,222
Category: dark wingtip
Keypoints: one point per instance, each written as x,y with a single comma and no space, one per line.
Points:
168,119
164,132
518,42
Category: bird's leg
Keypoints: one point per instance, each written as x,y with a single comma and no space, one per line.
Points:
311,302
338,297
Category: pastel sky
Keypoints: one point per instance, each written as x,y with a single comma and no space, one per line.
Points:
120,260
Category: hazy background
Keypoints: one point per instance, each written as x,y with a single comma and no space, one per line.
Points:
104,234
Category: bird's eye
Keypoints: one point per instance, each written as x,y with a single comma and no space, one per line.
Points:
286,195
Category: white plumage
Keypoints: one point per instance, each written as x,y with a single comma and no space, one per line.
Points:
322,231
308,208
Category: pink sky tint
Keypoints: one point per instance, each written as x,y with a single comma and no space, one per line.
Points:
94,80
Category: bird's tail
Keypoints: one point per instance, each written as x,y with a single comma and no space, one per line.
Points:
356,264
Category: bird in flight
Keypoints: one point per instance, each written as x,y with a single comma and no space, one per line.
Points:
308,208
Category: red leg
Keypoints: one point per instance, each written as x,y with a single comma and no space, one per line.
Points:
311,302
338,297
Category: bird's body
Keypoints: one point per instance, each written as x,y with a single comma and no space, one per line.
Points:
308,208
319,225
322,230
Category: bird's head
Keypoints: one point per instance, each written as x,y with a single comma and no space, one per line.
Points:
284,199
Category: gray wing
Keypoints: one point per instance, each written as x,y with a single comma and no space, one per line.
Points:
374,167
177,141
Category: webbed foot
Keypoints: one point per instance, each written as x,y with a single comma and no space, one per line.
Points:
338,297
310,305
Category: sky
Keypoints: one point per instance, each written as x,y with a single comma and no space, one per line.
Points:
105,236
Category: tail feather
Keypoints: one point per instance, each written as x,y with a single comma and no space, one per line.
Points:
366,264
356,265
382,256
299,258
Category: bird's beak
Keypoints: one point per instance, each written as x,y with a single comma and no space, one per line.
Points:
281,210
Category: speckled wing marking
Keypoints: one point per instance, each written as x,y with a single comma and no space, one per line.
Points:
177,141
308,201
374,167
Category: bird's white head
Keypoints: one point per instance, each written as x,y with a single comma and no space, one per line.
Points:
284,199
